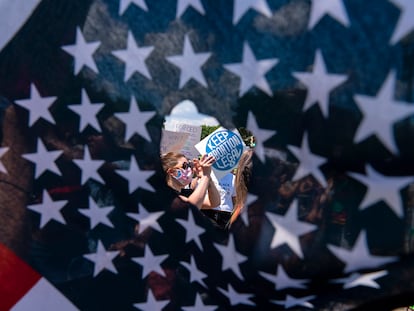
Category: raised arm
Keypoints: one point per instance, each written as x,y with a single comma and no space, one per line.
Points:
205,194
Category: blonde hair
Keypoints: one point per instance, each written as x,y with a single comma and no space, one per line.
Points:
170,160
243,173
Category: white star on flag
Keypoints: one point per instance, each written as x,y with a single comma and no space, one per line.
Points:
43,159
182,5
136,177
124,4
87,112
190,64
292,301
97,215
199,306
102,259
335,8
151,304
359,257
196,275
242,6
252,72
281,280
308,162
134,58
231,258
135,120
193,231
244,213
357,279
3,150
380,113
150,263
288,229
49,210
89,167
236,298
35,299
260,135
37,106
13,16
146,219
82,52
382,188
319,84
405,24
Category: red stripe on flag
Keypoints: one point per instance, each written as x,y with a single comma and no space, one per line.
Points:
16,278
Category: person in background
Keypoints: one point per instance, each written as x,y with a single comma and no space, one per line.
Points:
179,175
225,186
242,178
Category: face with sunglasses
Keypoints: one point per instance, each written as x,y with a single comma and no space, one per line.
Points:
183,172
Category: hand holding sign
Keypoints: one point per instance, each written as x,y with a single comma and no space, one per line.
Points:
226,146
203,166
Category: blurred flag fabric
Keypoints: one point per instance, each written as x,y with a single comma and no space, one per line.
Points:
325,86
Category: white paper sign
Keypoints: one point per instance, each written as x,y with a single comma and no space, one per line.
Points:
194,135
226,146
172,141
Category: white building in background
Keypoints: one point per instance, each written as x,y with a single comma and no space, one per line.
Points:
185,118
186,112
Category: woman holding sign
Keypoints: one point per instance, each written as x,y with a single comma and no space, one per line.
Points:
179,175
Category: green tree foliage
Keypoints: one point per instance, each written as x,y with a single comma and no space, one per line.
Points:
207,130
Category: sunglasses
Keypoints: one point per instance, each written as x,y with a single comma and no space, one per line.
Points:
187,165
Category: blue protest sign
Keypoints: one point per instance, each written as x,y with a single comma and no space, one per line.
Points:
226,146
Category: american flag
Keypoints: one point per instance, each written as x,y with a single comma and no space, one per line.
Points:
325,86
